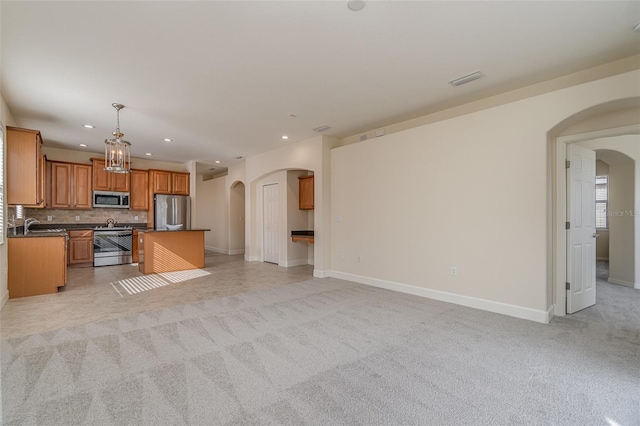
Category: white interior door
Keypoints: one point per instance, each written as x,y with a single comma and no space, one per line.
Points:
270,236
581,236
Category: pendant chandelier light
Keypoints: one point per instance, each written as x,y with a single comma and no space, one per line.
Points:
117,151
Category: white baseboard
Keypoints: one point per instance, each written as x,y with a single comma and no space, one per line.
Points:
4,300
234,252
321,274
217,250
290,263
458,299
620,282
550,312
602,258
252,258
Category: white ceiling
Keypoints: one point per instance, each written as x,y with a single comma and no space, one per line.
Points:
222,78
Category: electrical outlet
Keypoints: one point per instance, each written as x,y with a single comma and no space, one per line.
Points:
77,218
49,218
342,256
360,259
454,271
338,219
135,218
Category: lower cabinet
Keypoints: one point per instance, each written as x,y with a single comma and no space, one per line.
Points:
80,246
134,247
37,265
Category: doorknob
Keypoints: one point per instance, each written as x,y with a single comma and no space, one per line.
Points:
595,235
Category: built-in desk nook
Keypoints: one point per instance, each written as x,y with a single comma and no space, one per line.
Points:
302,236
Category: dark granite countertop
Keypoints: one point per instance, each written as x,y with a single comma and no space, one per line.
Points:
39,234
302,233
168,230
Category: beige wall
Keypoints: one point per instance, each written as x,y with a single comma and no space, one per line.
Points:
212,213
436,206
312,154
622,155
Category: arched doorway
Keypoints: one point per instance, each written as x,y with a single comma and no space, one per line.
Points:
606,142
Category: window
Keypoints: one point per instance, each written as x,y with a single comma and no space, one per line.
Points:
602,202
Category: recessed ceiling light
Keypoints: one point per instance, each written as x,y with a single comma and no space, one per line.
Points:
285,137
84,145
356,5
148,153
167,140
88,126
217,161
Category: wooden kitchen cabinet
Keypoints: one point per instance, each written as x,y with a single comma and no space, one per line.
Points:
166,182
160,181
25,168
180,183
135,246
306,195
139,190
70,185
80,246
27,277
109,181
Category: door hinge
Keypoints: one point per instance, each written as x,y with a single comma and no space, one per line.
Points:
567,225
568,286
567,164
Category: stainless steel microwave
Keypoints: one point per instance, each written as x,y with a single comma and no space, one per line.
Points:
113,200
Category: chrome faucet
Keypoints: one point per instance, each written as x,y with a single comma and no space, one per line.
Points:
27,223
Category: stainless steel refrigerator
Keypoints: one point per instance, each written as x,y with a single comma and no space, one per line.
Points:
172,212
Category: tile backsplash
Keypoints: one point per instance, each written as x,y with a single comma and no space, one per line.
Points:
95,215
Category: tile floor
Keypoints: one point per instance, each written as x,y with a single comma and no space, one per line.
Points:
94,294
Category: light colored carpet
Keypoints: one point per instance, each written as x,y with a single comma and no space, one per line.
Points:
330,352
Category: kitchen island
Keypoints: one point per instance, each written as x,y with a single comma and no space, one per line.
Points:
169,251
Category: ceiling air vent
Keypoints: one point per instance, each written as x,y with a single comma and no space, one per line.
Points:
321,128
465,79
239,157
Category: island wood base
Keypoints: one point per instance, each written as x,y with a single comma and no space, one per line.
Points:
169,251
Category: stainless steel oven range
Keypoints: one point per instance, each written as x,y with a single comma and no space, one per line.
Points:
112,246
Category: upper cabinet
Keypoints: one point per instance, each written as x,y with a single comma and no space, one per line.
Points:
165,182
180,183
139,190
108,181
70,185
25,168
306,196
